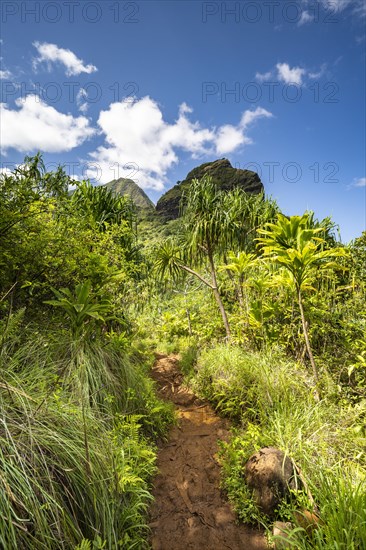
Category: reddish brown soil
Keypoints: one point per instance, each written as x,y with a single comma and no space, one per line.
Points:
190,512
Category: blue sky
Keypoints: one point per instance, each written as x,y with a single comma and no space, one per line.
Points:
149,90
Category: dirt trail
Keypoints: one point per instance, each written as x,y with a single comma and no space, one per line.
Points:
190,512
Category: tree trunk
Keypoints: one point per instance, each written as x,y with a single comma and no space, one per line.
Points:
240,294
218,297
188,314
214,289
307,341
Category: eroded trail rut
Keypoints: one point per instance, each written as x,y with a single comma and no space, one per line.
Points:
190,511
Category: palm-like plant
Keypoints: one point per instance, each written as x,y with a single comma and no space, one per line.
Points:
214,222
207,232
239,265
102,205
295,244
80,306
168,260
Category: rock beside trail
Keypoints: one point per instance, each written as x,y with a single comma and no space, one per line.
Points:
269,473
223,174
281,529
309,521
305,519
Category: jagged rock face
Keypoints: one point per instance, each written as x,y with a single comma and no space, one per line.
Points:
222,173
270,474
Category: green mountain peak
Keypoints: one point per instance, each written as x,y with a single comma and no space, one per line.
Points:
125,186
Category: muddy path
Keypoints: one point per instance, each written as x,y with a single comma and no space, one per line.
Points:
190,511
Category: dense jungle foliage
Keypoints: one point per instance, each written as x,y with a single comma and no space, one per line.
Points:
268,313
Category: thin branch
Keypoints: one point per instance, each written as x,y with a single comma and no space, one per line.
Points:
192,272
11,288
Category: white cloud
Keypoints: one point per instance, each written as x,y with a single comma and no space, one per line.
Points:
359,182
249,117
5,74
50,53
358,7
306,17
4,170
36,125
83,106
184,108
137,135
187,135
262,77
229,138
319,73
337,5
288,75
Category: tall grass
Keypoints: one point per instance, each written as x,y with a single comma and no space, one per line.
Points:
271,400
75,449
52,486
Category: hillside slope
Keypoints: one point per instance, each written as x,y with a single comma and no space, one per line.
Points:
124,186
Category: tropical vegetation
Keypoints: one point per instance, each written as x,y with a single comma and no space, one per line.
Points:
267,311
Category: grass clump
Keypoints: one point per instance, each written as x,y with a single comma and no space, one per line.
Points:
66,478
272,402
77,425
188,359
249,384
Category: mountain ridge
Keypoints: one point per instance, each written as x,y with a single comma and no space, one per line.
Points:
168,206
